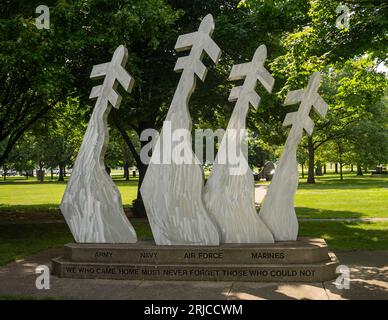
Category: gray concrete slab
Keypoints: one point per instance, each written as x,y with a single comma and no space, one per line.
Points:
277,291
368,272
368,276
187,290
18,279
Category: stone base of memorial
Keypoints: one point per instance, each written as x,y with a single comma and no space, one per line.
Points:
304,260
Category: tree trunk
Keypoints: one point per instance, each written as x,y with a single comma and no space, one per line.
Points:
336,168
52,173
324,169
351,168
302,171
359,170
310,177
126,170
41,174
340,160
318,170
4,172
138,205
142,171
61,176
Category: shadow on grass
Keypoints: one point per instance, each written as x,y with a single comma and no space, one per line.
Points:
342,235
32,181
354,183
20,240
121,182
303,212
30,208
30,217
38,210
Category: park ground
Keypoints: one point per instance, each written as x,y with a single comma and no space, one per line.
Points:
351,215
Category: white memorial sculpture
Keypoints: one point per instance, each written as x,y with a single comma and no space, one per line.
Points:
229,192
278,209
172,192
92,203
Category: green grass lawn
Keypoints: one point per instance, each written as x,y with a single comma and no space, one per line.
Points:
341,235
355,197
329,198
20,240
21,195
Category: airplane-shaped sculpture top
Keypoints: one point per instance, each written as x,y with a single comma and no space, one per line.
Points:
114,73
198,42
92,203
172,192
229,191
278,208
251,72
308,97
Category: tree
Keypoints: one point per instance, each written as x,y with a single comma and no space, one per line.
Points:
352,90
320,45
33,73
118,154
368,140
21,157
62,130
363,142
302,157
53,142
354,93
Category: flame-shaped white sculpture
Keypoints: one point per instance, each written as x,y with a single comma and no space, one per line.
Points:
92,203
278,210
172,192
229,192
